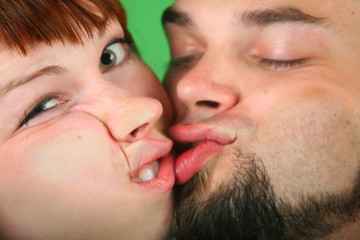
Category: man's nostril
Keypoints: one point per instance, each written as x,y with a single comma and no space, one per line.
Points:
206,103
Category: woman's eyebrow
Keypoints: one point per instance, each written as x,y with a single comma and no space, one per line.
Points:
14,83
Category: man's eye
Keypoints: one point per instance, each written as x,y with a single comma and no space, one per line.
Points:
280,65
44,105
112,55
183,63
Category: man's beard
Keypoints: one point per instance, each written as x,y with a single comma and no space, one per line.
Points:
245,207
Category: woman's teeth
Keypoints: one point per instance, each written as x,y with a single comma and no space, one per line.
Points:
148,172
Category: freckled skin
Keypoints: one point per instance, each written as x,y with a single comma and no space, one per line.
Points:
65,174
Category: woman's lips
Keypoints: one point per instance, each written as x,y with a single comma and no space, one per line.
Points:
209,142
151,164
165,179
148,172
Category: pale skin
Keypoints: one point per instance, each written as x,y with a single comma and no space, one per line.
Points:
286,91
71,170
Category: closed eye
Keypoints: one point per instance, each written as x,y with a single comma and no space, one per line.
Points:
183,63
281,65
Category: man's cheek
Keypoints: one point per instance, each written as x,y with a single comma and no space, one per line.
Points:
303,136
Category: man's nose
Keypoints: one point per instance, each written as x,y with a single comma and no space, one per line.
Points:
127,118
206,91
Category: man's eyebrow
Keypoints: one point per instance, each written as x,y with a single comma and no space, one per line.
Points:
14,83
265,17
172,16
256,17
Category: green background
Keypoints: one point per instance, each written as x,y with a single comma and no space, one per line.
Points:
144,21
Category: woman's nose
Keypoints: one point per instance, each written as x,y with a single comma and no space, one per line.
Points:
133,118
127,118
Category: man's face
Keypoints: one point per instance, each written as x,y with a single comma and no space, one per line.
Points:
82,155
269,91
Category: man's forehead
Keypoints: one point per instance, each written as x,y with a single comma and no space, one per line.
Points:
334,16
253,17
225,8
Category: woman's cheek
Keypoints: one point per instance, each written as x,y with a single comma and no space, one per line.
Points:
74,155
74,147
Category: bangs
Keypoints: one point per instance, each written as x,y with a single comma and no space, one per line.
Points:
26,23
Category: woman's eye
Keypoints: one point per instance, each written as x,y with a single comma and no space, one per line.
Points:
44,105
112,55
281,65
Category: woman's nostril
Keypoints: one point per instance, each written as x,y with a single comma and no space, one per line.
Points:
138,131
206,103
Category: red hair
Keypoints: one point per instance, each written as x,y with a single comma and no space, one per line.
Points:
26,23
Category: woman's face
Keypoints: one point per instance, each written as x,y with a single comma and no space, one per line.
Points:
81,150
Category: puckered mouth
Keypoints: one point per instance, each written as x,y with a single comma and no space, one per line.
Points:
196,146
201,133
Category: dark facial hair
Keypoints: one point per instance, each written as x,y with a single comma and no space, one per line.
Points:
245,208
